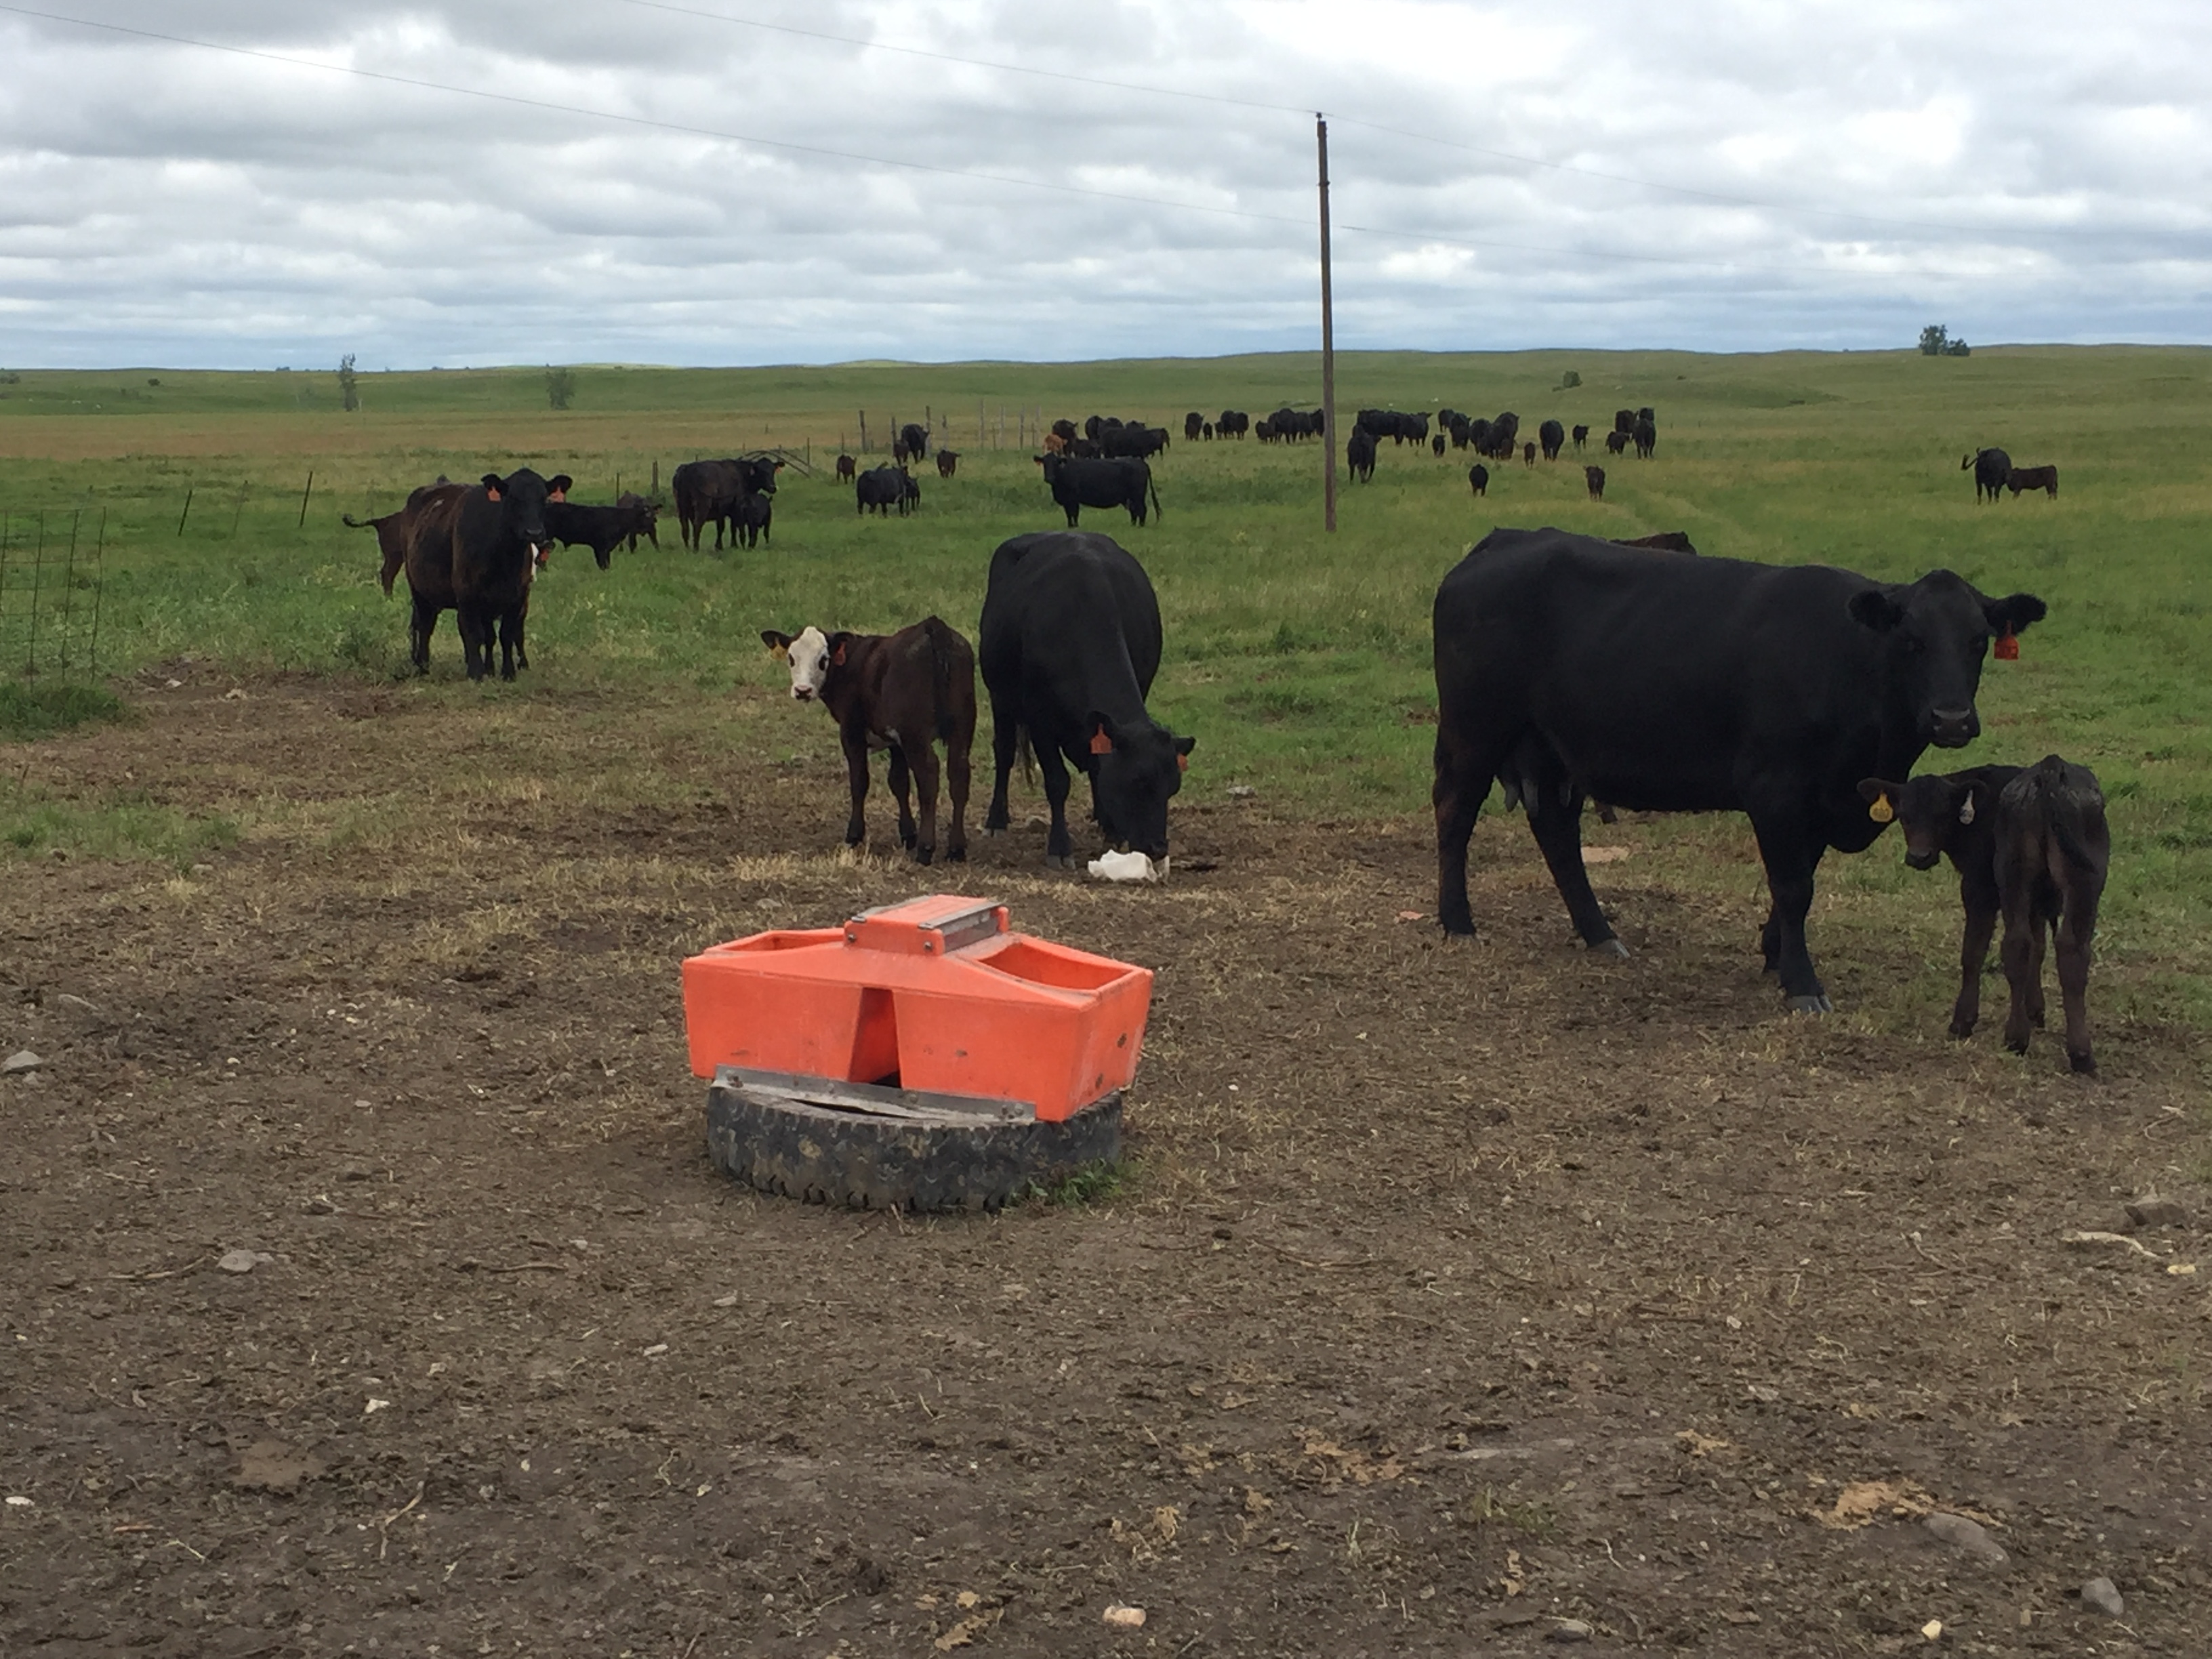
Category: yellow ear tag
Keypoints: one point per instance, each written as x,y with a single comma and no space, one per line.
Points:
782,654
1881,811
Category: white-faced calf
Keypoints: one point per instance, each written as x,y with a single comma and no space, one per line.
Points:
2031,846
902,692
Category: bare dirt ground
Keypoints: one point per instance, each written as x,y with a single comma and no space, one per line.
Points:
1457,1292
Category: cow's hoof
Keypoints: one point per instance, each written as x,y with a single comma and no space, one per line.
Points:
955,855
2016,1045
1059,861
1961,1033
1817,1003
1609,947
923,854
2085,1062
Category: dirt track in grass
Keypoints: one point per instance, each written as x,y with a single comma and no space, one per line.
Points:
1457,1290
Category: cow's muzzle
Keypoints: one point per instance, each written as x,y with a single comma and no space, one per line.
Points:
803,693
1924,861
1952,728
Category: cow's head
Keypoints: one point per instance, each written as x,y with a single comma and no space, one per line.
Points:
1931,810
809,654
1134,768
522,497
1936,633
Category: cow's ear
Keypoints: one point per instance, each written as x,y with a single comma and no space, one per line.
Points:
1876,608
1872,789
2014,612
779,645
838,641
1183,748
492,483
559,485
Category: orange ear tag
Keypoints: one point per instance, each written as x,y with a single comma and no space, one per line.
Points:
1182,762
1100,743
491,495
2007,647
1881,811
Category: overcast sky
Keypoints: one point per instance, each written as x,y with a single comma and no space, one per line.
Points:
657,183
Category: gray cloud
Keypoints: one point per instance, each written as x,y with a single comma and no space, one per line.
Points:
1719,175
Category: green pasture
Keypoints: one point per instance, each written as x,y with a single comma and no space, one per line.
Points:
1298,659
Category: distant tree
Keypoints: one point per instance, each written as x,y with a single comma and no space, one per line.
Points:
1934,340
348,393
560,387
1957,349
152,380
1569,381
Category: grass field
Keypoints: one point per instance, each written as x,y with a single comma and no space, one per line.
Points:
1299,659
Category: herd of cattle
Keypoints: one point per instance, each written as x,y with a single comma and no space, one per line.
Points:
1570,671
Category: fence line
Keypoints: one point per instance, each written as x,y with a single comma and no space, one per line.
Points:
51,593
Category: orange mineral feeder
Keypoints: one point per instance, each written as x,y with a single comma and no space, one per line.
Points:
905,1026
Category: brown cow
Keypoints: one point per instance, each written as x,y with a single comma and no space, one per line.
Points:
2045,478
391,540
847,468
1595,477
902,692
1054,444
1528,454
946,461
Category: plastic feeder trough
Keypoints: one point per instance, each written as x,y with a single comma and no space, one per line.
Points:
922,1056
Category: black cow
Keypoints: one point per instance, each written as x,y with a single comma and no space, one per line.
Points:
847,468
750,522
709,491
1616,443
474,552
1065,431
1076,485
915,439
2034,477
602,529
909,494
1505,432
1070,642
1624,421
1582,437
1192,424
1553,437
1991,469
1359,454
1594,477
882,488
647,517
1437,445
1130,439
1478,478
1477,436
1647,437
1265,432
1529,454
1207,428
1662,541
948,462
1679,684
1233,423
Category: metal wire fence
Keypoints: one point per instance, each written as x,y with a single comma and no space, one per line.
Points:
53,571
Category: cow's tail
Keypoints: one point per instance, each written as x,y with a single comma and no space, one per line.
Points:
944,661
1152,485
352,523
1028,759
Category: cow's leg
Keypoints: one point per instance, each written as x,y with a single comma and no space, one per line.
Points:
1558,828
1052,767
2022,954
1973,954
476,641
2076,925
855,745
922,763
1463,772
902,771
1006,736
419,626
1792,855
956,768
1073,514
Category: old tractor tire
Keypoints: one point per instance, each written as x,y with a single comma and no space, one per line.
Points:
858,1160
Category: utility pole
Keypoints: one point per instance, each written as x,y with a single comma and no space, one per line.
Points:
1327,345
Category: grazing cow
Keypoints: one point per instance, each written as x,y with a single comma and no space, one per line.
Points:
1130,439
948,460
905,692
1646,436
1478,478
1694,685
1265,432
1359,454
1616,443
882,488
1461,429
1192,424
1070,643
1477,436
750,522
1624,421
1595,477
1665,541
1390,423
1529,454
1084,450
2031,846
847,468
474,550
1553,437
646,517
1437,445
709,491
2032,478
1233,423
910,493
1076,485
602,529
1991,468
915,437
1582,437
1207,429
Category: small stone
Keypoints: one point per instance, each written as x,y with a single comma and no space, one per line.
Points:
2102,1595
203,869
1242,792
656,1351
1970,1536
2152,1212
240,1261
319,1206
15,1503
21,1060
1125,1618
1570,1629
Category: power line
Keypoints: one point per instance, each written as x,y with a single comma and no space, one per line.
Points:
720,135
